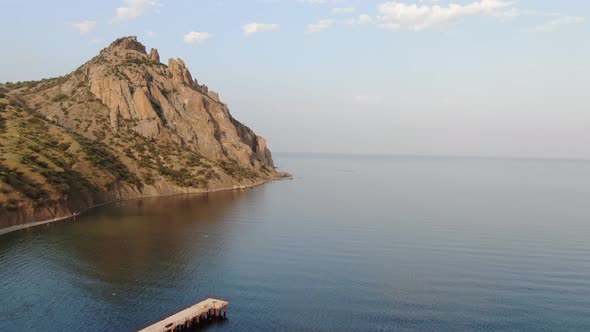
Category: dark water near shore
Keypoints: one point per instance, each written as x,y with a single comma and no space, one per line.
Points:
353,243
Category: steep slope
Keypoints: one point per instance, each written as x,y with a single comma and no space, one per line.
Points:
122,125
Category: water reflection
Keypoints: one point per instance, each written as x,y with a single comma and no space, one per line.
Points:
113,256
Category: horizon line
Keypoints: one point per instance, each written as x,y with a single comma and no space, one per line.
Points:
530,158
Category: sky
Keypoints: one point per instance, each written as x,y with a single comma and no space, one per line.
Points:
420,77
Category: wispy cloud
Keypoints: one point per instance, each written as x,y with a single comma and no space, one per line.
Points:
342,10
324,24
413,17
361,19
135,9
252,28
321,25
196,37
558,22
83,27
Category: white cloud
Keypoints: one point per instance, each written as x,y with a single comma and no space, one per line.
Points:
152,34
321,25
366,100
412,17
84,27
364,19
135,8
342,10
360,20
252,28
195,37
560,21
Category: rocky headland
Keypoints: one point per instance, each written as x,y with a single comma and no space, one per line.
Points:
122,125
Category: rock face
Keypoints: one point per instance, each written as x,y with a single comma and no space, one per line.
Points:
166,103
128,43
164,132
180,73
154,55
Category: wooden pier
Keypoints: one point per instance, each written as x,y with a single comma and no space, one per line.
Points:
191,317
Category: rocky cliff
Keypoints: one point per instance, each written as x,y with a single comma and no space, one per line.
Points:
122,125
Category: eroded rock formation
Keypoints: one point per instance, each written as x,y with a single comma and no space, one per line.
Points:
133,127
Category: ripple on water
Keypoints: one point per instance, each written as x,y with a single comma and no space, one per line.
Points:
403,244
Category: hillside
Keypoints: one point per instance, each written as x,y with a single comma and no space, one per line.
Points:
122,125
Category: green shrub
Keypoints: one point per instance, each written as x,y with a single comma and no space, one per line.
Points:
194,160
33,161
59,97
148,178
63,146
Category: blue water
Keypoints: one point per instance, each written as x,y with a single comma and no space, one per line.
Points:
353,243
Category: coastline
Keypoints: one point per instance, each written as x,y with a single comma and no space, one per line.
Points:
15,228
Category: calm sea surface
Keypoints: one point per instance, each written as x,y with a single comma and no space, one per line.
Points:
352,243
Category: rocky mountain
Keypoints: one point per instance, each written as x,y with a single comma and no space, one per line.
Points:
122,125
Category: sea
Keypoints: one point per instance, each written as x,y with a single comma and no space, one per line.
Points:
351,243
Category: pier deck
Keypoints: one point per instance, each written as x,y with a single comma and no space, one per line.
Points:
210,308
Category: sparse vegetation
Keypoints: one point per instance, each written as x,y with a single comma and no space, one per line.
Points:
99,155
194,160
59,97
232,168
24,185
182,177
148,178
141,61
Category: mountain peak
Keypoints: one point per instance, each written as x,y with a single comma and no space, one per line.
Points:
122,125
128,43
